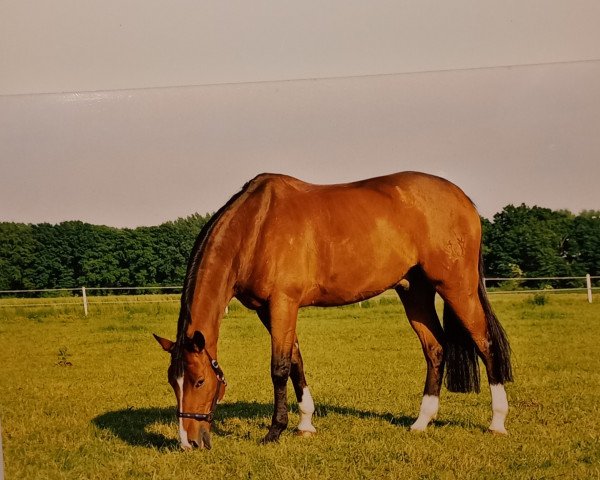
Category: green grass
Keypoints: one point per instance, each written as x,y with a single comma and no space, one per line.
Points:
109,414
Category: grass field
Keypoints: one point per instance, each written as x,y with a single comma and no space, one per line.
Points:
87,398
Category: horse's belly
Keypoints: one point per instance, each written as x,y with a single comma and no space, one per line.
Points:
354,279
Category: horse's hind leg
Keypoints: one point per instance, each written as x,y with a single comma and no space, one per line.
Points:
468,317
419,304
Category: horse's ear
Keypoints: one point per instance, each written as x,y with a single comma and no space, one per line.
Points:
167,345
198,340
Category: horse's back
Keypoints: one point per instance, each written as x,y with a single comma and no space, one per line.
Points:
330,244
412,202
403,187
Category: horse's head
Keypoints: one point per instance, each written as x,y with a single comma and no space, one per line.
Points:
198,383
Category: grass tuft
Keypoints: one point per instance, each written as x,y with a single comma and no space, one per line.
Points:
538,299
63,356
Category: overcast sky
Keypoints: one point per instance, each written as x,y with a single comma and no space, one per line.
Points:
80,140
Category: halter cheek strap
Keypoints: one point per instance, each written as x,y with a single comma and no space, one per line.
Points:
221,383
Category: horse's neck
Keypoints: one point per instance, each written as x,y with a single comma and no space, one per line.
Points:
214,288
219,271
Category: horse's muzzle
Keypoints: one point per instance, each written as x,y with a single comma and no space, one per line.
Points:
203,441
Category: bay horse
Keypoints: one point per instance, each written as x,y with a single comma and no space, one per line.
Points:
280,244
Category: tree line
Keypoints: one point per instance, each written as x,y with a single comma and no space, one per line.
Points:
74,254
524,241
518,241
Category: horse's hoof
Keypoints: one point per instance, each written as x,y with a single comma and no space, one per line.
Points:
305,433
502,432
419,427
269,438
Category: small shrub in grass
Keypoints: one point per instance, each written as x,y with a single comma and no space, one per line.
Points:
63,356
538,299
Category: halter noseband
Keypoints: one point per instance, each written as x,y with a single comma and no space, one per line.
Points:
221,382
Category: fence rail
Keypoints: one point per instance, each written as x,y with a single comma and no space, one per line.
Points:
82,299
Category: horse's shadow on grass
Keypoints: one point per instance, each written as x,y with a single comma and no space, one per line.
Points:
131,424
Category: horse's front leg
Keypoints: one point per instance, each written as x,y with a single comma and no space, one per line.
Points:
283,313
305,401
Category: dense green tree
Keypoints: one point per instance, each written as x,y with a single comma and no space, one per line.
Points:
186,229
17,256
53,264
102,262
531,240
486,231
584,242
73,254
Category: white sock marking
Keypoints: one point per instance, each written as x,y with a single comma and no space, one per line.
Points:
429,408
307,408
183,438
499,408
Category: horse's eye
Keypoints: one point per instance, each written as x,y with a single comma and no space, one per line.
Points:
199,383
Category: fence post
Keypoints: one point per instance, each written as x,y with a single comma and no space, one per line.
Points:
85,304
588,282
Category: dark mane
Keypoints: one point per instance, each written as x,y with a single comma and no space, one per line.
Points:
189,283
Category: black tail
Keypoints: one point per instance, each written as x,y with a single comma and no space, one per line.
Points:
462,368
496,335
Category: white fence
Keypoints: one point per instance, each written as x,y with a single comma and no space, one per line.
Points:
587,288
83,297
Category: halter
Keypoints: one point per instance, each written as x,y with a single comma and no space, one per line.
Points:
221,382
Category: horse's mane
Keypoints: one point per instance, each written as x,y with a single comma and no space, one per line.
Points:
189,283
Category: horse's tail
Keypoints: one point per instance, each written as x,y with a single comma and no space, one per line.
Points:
460,353
462,368
499,345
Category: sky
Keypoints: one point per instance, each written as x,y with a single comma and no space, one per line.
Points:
503,101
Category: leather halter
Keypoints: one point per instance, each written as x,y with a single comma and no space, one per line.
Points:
221,382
